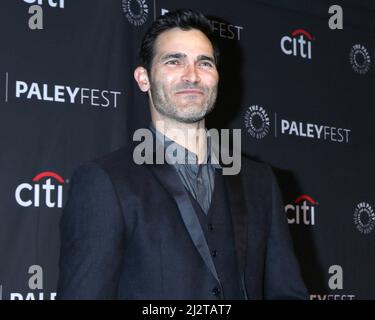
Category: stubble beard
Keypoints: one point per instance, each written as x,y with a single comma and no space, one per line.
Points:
187,113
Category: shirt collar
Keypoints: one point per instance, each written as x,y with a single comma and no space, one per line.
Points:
190,157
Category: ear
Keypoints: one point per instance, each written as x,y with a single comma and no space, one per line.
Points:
141,76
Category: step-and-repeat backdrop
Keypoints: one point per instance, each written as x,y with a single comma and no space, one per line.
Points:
302,93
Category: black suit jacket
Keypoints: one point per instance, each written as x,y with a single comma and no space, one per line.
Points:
130,232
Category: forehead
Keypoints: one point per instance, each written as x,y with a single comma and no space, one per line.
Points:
176,40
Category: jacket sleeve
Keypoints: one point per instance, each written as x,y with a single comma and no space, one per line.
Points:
92,237
282,273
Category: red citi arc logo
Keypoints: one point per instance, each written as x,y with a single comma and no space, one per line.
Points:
302,211
49,193
299,44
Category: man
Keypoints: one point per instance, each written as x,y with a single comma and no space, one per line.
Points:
176,231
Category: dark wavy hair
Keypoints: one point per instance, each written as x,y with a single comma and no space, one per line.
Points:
184,19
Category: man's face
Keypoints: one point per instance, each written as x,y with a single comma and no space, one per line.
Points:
183,78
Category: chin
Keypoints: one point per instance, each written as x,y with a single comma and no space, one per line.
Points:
190,120
191,117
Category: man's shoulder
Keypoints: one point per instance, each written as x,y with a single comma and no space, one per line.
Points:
120,157
120,160
257,177
252,166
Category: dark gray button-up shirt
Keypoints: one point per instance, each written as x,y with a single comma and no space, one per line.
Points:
198,179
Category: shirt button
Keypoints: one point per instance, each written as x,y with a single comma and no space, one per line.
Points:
216,291
214,253
211,227
199,180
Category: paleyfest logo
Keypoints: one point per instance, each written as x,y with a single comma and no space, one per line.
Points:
136,11
223,30
31,92
258,125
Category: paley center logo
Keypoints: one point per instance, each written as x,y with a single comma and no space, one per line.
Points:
298,44
28,90
335,284
360,59
222,29
46,189
136,11
258,124
301,211
364,217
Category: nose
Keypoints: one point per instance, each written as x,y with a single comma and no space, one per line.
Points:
191,74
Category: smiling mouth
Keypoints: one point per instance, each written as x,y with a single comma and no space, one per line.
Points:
190,91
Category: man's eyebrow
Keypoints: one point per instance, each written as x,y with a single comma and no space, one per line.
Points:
204,57
173,56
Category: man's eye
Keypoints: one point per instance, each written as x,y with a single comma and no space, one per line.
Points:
173,62
206,64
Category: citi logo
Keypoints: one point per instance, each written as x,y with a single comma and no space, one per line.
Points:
52,3
302,211
299,44
47,188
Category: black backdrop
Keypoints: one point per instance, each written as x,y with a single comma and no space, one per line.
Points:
302,94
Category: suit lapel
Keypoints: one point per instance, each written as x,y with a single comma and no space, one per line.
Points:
238,210
169,178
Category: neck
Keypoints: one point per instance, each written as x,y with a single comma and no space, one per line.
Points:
191,136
